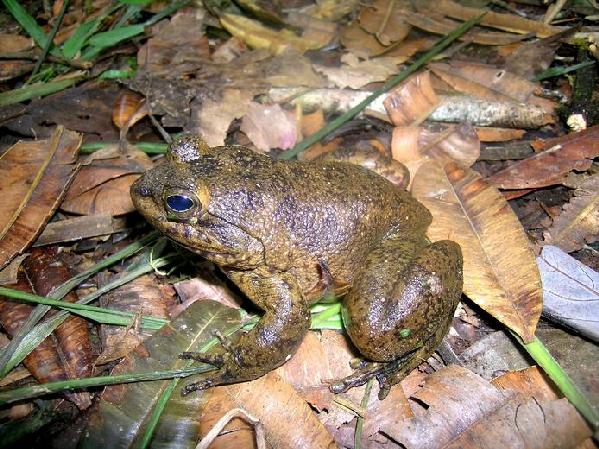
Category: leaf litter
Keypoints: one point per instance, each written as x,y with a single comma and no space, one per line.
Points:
193,76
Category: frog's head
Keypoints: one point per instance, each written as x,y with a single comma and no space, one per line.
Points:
175,198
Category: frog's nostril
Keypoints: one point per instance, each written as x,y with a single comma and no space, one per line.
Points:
144,191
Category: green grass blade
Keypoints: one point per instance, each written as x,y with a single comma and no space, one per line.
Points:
30,26
546,361
75,43
26,93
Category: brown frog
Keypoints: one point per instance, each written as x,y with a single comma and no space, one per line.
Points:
288,233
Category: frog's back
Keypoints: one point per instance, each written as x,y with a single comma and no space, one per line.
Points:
330,213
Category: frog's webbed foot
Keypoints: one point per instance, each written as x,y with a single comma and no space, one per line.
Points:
387,374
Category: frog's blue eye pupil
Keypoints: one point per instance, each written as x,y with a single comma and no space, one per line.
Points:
179,203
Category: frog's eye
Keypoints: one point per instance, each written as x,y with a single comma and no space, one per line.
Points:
180,203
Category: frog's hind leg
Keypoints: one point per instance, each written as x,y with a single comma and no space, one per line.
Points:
401,307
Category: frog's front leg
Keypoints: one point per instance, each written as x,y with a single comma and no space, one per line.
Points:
401,306
272,341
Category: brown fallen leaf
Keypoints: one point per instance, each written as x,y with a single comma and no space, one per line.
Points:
288,419
557,157
258,36
490,134
46,270
500,270
578,223
507,22
102,187
35,175
415,146
458,409
143,296
45,361
412,101
384,20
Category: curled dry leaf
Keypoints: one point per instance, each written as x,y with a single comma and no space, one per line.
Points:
129,108
500,271
578,223
36,175
507,22
415,146
551,166
412,101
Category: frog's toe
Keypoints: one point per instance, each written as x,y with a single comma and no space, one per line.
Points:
196,386
387,374
217,360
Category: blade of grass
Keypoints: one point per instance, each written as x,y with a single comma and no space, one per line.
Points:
98,314
30,26
50,38
332,126
37,90
546,361
24,342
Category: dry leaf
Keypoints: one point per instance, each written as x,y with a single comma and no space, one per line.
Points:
569,292
35,175
129,108
415,146
216,114
142,296
269,127
359,42
571,152
412,101
508,22
385,20
103,186
258,36
578,223
500,271
357,74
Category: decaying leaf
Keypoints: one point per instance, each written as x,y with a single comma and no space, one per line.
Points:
385,20
356,74
258,36
103,186
456,408
570,293
124,411
578,223
35,175
269,127
142,296
500,271
507,22
551,165
414,146
216,114
412,101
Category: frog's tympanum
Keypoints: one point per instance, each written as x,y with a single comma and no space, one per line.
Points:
288,233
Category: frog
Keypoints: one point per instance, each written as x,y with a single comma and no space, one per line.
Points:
289,233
